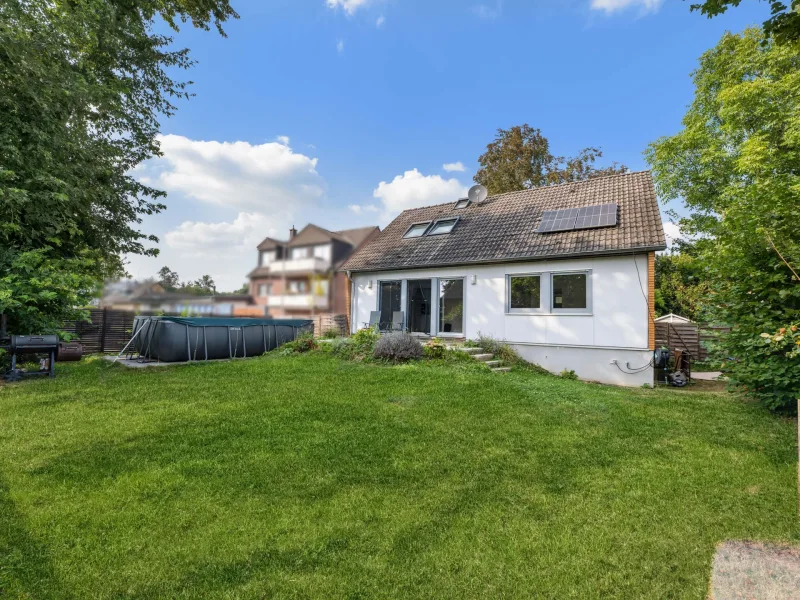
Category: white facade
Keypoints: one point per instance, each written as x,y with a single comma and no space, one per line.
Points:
614,326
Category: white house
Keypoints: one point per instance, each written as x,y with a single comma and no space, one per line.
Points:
564,274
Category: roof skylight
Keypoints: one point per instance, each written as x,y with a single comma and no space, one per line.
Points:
417,230
462,203
443,226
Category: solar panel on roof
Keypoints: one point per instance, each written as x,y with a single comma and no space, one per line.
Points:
568,219
602,215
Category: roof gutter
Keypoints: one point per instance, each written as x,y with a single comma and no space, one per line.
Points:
512,260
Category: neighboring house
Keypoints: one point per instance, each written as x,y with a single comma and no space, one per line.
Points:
151,297
301,277
572,289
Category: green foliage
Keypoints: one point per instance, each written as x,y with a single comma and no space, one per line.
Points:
568,374
506,353
82,88
332,333
783,24
359,346
304,342
519,158
170,281
40,290
434,349
397,347
681,285
736,164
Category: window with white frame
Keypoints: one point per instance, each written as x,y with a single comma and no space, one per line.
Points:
298,287
524,293
267,256
264,289
299,252
323,251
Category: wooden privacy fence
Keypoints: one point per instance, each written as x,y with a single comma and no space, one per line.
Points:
688,336
108,330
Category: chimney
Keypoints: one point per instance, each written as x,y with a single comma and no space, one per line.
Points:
292,233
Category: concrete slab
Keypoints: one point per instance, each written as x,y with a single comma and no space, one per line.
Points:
707,375
755,571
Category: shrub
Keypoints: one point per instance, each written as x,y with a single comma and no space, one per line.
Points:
359,346
398,347
568,374
304,342
331,334
434,349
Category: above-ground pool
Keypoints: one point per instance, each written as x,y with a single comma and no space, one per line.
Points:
174,339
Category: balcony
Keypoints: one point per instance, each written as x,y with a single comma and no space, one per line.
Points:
297,301
299,265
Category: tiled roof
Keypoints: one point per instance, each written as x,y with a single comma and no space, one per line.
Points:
270,244
503,228
357,236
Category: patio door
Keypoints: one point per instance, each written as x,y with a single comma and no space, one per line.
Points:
451,306
419,305
389,301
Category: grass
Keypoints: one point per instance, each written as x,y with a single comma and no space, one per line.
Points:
311,477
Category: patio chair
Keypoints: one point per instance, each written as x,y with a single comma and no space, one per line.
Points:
374,320
397,320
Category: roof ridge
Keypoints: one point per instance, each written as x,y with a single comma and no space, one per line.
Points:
534,189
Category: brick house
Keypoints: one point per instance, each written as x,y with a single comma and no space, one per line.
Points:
301,276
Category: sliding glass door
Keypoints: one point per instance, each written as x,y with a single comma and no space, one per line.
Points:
451,306
419,305
389,301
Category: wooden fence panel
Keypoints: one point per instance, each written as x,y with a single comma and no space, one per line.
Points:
688,336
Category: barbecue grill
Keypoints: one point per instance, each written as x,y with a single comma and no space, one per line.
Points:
37,344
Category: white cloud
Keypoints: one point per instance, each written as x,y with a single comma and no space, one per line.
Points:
256,178
489,13
349,6
380,22
252,191
456,166
362,208
611,6
340,46
413,189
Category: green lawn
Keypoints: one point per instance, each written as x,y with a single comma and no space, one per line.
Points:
310,477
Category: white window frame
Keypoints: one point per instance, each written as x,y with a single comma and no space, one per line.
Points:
462,203
322,251
544,307
546,294
303,249
572,311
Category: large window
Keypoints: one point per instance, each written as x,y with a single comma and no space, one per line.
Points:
300,252
267,256
451,306
323,251
389,300
569,291
525,293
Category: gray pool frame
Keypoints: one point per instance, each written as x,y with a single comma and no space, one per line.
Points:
180,339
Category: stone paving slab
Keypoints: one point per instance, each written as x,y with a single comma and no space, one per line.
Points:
755,571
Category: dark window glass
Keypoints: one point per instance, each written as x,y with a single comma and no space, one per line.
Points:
416,230
525,292
569,291
451,305
389,301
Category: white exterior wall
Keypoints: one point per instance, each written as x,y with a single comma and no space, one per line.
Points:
616,327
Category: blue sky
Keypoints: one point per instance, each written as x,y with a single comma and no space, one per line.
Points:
344,112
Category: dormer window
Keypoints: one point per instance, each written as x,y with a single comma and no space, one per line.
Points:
443,226
417,230
462,203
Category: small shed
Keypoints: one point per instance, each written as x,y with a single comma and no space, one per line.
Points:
673,318
679,333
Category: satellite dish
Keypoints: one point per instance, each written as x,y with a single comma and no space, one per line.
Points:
477,194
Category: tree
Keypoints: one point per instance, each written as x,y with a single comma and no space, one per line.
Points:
736,165
783,24
681,286
519,158
167,278
82,86
205,284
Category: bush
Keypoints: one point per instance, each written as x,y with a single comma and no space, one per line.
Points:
398,347
304,342
331,334
434,349
359,346
568,374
